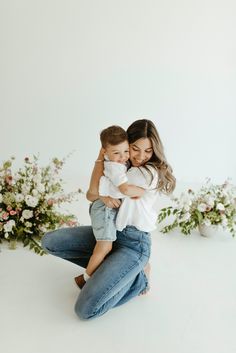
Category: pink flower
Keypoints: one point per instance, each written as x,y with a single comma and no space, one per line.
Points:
9,208
8,179
5,215
71,223
12,212
50,202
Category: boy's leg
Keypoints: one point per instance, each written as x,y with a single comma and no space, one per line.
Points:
102,248
103,221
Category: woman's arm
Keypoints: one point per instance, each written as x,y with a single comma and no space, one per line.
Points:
92,193
131,190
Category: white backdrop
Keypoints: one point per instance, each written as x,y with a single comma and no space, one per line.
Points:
70,68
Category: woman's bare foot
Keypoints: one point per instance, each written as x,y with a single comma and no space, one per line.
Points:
147,270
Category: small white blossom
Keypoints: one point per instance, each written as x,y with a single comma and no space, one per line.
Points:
224,221
19,197
220,207
209,200
26,214
37,178
35,192
41,188
9,225
31,201
202,207
43,229
207,222
186,216
25,189
28,224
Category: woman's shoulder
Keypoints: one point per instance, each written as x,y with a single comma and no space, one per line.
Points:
146,170
143,176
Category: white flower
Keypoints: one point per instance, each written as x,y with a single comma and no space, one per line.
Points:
19,197
220,207
224,221
26,214
9,225
28,224
25,189
207,222
210,200
202,207
186,216
41,188
43,229
35,192
31,201
227,200
37,178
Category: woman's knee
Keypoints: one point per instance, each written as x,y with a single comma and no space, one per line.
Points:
47,241
83,311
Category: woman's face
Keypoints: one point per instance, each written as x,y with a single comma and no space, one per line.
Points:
140,152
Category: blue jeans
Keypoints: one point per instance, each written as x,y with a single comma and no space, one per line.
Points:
119,278
103,221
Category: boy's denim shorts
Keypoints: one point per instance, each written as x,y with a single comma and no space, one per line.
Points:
103,221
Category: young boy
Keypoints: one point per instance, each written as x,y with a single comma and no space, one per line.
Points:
115,146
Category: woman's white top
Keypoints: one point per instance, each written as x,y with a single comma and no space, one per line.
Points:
139,213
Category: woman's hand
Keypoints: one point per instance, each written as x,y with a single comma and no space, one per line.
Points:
110,202
101,154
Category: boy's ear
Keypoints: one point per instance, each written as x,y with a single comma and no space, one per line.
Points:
103,150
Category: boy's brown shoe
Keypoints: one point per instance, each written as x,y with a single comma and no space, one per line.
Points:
79,280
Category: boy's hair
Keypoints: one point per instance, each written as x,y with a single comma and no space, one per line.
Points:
113,135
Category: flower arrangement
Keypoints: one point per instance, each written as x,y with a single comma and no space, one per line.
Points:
211,205
30,200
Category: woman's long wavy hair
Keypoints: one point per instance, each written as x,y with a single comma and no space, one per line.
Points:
144,128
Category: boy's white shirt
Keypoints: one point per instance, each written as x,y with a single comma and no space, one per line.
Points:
139,212
114,173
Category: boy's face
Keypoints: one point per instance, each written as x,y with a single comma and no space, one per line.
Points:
118,153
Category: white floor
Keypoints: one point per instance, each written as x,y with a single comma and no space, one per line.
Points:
190,308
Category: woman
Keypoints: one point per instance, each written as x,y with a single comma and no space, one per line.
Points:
121,276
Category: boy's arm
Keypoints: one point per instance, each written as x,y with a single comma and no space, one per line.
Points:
131,190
